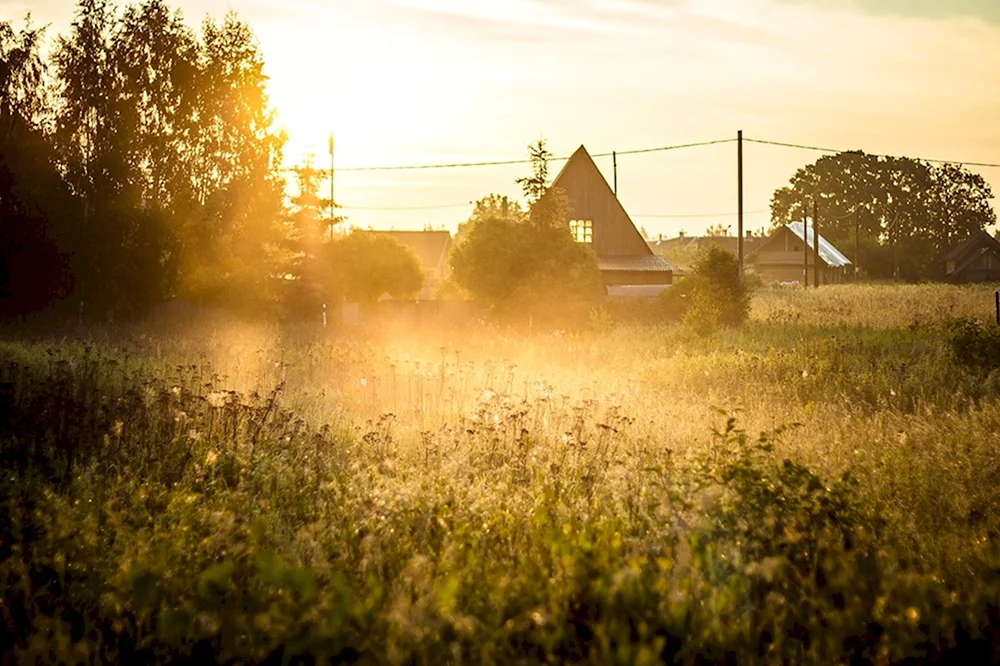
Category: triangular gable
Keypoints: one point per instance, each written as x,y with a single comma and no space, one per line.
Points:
591,198
976,253
961,252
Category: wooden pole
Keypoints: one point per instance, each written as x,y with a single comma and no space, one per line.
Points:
998,307
614,164
332,214
816,257
739,199
805,245
857,230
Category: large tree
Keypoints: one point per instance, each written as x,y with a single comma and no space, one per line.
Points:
904,212
34,203
169,142
517,260
365,266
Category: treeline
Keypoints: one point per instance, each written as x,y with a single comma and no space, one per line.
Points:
902,213
140,161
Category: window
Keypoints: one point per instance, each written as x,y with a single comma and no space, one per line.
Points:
583,230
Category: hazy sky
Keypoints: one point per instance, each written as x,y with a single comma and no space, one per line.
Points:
416,81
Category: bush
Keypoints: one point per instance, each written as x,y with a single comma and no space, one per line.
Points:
974,344
712,296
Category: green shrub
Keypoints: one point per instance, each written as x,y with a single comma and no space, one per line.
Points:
711,296
974,344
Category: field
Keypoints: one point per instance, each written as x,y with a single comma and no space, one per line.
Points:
820,485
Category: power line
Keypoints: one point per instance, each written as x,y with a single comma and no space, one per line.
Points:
820,149
438,207
486,163
692,215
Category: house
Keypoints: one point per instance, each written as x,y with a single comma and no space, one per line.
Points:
780,257
597,218
976,259
431,248
684,251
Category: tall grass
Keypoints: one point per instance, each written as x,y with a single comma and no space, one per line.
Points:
804,489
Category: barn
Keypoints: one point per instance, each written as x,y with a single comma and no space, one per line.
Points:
782,257
597,218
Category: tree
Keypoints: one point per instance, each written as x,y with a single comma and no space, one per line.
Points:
904,211
309,230
516,260
366,265
34,202
537,184
717,231
712,296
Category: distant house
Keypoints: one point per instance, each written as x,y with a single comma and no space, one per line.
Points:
683,251
976,259
597,218
780,257
431,248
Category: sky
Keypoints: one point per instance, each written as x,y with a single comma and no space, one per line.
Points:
404,82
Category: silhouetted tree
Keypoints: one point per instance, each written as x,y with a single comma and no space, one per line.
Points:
33,200
169,143
537,183
906,211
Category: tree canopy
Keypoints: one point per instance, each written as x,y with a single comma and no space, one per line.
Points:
158,150
906,212
365,266
514,258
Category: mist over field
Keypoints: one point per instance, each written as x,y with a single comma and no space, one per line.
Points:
237,427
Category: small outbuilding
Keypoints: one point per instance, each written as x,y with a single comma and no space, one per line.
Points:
789,255
598,219
976,259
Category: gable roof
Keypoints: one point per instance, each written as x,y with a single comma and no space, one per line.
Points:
591,198
827,252
964,254
643,263
981,237
431,247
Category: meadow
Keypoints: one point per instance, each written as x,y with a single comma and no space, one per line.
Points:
817,486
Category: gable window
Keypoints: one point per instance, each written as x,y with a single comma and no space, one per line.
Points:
582,230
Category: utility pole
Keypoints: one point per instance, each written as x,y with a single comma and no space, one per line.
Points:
614,164
815,243
805,245
857,229
739,201
332,216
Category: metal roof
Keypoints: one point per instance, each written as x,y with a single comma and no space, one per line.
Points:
645,262
827,252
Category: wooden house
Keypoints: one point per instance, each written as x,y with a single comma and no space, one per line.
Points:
598,219
684,251
788,257
976,259
431,248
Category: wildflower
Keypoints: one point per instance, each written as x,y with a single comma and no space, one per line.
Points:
216,399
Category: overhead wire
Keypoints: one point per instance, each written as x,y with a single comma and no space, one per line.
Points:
820,149
637,151
486,163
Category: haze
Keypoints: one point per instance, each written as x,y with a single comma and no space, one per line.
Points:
427,81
